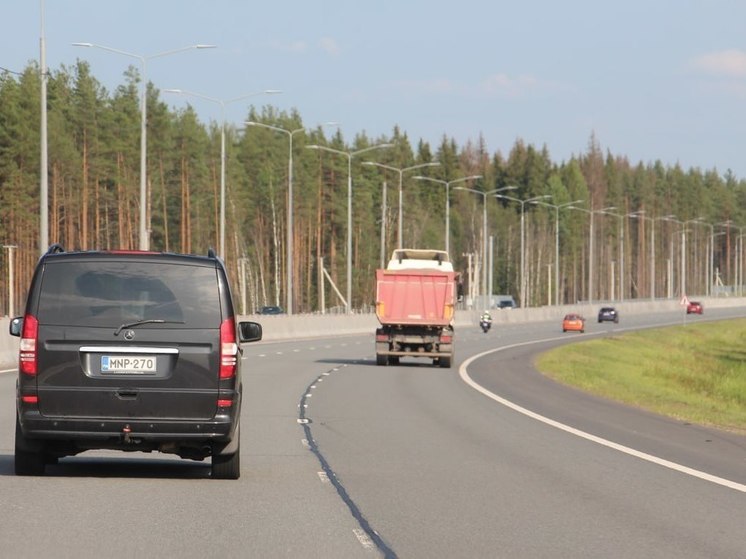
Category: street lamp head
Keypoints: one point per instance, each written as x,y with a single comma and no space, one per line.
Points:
82,44
205,46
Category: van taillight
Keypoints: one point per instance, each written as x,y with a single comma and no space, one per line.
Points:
27,356
228,349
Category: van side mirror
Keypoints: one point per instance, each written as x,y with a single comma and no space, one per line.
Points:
249,331
16,326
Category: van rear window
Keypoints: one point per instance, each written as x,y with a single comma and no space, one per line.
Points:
111,293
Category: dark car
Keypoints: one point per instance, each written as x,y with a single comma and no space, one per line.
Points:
132,351
608,314
694,307
271,310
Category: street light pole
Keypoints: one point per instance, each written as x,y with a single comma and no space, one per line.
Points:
621,255
401,180
485,259
11,281
557,208
144,224
640,214
447,184
44,159
289,242
222,103
349,155
523,238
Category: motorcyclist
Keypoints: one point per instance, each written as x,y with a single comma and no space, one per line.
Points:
485,321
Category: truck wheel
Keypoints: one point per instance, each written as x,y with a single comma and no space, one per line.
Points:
29,457
382,360
393,360
445,362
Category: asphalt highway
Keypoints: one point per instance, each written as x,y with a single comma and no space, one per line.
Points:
342,459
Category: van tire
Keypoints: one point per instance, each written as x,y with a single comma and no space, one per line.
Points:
29,456
227,466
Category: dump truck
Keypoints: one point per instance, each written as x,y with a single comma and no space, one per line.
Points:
416,296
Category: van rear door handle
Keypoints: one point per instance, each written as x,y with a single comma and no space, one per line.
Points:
127,394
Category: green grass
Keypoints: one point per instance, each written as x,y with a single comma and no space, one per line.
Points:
694,373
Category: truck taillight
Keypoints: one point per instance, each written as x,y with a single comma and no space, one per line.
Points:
380,309
228,349
27,355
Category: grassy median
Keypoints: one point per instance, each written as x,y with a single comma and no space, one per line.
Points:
694,372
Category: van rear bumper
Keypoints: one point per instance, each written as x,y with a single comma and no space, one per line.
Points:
128,433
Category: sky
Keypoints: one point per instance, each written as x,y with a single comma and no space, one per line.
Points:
649,79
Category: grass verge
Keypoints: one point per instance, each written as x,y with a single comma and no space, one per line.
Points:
694,373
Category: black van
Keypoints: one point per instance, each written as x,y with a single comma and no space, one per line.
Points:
132,351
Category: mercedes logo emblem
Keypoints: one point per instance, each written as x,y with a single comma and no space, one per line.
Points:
129,334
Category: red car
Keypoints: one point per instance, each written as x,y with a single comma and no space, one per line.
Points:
694,307
573,322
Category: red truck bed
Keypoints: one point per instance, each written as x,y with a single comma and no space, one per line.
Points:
415,297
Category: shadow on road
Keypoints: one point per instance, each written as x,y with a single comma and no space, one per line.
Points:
115,467
404,362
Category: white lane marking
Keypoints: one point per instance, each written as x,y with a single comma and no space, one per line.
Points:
8,371
363,538
582,434
323,477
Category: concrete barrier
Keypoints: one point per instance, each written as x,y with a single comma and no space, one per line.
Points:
283,327
8,345
299,326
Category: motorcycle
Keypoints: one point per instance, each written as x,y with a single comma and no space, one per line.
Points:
485,325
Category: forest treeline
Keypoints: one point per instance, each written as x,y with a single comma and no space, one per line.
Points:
634,223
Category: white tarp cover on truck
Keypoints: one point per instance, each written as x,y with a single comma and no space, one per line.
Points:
420,259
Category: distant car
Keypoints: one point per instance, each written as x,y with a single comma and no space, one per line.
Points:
573,322
271,310
608,314
507,304
694,307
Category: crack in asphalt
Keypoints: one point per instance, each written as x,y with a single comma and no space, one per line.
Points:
357,514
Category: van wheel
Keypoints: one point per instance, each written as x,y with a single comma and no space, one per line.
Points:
227,466
29,455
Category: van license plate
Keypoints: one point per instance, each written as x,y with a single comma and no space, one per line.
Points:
127,364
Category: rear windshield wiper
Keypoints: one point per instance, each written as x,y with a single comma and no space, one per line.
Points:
141,322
